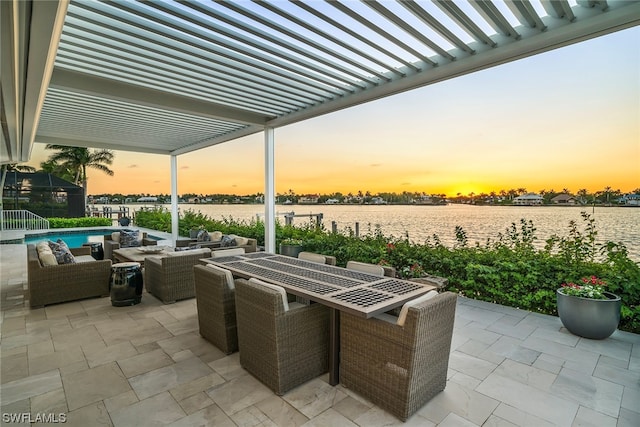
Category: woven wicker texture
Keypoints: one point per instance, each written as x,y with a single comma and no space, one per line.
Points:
399,368
111,245
66,282
170,278
281,349
216,308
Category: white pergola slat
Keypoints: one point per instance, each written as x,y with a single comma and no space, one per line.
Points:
172,77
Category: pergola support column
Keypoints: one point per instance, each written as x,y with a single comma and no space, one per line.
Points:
269,191
174,199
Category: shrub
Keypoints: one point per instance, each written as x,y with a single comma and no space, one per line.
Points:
509,270
79,222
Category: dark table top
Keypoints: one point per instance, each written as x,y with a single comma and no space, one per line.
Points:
358,293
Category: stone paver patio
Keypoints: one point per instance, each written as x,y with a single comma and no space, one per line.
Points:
147,365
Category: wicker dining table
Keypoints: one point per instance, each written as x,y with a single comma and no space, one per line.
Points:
355,292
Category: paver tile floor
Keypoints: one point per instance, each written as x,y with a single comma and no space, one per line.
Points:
146,365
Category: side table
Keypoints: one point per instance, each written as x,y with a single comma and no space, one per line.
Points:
125,286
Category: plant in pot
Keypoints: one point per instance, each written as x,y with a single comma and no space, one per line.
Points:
291,247
587,309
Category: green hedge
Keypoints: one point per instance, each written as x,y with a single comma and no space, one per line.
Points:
79,222
510,270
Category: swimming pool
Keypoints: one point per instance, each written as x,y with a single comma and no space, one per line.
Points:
73,239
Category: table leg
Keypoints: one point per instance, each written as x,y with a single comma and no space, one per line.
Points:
334,346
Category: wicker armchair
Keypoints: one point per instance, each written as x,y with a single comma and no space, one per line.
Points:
282,344
216,302
170,277
111,245
399,368
66,282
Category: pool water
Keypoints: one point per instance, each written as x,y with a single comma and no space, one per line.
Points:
72,239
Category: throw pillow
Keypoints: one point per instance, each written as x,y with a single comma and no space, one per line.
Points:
227,241
241,241
48,259
115,236
61,252
203,236
216,236
130,238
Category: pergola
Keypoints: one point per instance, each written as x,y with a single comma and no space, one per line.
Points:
171,77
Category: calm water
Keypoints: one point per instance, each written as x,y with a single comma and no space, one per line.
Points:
479,222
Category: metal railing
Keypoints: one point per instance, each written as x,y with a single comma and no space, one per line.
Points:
22,220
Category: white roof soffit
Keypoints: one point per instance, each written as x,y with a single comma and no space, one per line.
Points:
28,44
173,77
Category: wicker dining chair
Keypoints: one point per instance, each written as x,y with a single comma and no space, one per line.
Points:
399,366
365,267
216,304
317,258
283,344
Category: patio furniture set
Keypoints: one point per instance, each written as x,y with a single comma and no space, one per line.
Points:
291,319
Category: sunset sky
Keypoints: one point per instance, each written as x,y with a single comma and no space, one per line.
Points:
569,118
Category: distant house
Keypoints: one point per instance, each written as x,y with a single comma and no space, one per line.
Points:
630,200
332,201
564,199
529,199
378,201
308,199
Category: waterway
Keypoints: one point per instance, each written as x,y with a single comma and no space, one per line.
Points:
479,222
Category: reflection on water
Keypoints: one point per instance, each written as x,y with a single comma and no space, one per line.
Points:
479,222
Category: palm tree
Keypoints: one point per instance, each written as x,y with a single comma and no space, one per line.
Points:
78,159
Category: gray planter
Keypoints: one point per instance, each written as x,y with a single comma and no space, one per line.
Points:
290,250
589,318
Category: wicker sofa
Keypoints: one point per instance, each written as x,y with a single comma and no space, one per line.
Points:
111,245
66,282
399,366
170,277
250,246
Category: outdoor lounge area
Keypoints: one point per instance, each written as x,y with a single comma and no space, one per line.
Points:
147,365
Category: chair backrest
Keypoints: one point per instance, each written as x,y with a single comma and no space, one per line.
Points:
313,257
227,252
366,268
414,302
279,289
227,275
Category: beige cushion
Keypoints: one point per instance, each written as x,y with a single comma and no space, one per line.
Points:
48,259
405,308
374,269
230,282
215,236
43,248
276,288
115,236
227,252
310,256
200,251
240,241
85,258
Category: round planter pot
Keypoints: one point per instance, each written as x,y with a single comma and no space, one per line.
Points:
290,250
589,318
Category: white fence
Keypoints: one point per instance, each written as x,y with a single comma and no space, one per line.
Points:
22,220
